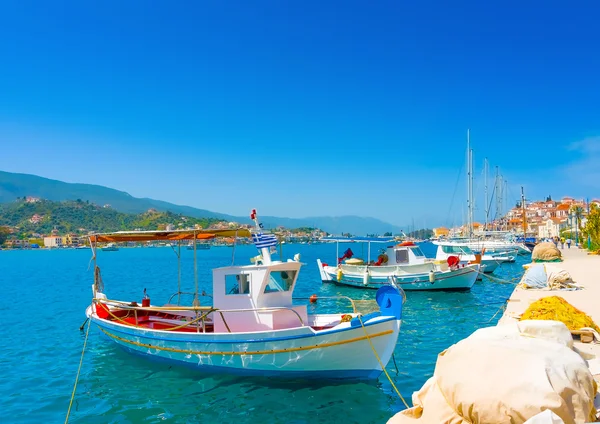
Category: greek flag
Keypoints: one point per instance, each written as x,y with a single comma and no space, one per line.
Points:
264,240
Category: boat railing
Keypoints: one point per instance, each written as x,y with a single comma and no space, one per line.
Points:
199,319
349,299
179,294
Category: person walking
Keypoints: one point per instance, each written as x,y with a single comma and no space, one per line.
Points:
569,243
562,242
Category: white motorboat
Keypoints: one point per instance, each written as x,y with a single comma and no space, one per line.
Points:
403,264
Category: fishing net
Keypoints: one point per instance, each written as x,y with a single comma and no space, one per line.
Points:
366,306
546,252
556,308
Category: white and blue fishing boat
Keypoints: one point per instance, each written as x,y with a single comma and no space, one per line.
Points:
110,247
404,264
490,261
199,246
252,327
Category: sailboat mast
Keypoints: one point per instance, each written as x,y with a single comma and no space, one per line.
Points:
524,213
469,186
487,209
468,183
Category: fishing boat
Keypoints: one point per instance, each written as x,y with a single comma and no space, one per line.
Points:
447,249
199,246
253,326
402,263
110,247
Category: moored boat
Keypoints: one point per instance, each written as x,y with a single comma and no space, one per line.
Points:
253,327
110,247
199,246
490,262
403,263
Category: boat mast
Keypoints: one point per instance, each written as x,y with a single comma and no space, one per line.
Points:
487,209
264,251
524,214
469,186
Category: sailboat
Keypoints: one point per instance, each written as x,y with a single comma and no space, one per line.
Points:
493,251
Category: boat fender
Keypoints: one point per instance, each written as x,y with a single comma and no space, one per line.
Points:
313,298
431,277
340,274
366,279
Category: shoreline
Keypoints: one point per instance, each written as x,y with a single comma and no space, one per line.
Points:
585,272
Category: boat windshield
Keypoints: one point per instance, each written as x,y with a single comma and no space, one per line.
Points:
280,281
457,250
417,251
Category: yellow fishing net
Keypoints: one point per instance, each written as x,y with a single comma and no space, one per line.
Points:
558,309
366,306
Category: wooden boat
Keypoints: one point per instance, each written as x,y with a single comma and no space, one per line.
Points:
404,264
252,327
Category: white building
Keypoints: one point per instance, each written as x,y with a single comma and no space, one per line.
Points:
552,227
53,241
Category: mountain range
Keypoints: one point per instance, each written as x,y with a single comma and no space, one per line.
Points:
13,185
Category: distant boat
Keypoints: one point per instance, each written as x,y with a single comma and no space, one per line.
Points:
199,246
110,247
403,264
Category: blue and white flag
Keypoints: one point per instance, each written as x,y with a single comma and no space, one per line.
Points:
264,240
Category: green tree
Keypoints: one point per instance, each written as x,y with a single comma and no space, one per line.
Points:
4,232
387,234
577,213
592,227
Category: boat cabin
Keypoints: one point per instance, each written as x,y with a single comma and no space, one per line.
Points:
404,254
256,297
456,250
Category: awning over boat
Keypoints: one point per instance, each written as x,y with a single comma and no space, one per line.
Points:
168,235
359,239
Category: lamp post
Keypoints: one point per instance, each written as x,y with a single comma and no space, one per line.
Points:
576,225
588,217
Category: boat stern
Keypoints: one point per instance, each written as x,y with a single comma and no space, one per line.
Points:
325,277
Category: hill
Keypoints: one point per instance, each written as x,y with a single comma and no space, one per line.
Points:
79,217
13,185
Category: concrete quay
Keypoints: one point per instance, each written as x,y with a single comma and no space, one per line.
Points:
585,272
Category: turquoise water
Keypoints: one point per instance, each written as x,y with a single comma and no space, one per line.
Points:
43,295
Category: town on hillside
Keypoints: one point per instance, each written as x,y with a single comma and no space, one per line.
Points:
544,219
29,233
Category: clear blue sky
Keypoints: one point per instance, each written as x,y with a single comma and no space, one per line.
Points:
304,108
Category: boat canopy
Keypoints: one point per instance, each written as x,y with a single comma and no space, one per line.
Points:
203,234
358,239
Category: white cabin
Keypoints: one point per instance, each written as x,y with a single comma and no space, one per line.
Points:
256,298
405,254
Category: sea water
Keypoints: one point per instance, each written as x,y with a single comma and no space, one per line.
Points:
44,293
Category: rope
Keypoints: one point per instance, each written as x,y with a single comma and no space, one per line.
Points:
87,332
500,280
381,363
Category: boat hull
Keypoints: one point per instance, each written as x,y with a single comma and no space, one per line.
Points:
456,280
338,353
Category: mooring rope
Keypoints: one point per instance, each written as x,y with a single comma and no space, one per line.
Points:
87,332
381,363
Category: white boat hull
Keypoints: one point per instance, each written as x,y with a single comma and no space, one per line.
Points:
460,279
340,352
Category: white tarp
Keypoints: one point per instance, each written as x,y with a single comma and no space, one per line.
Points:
547,277
506,374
